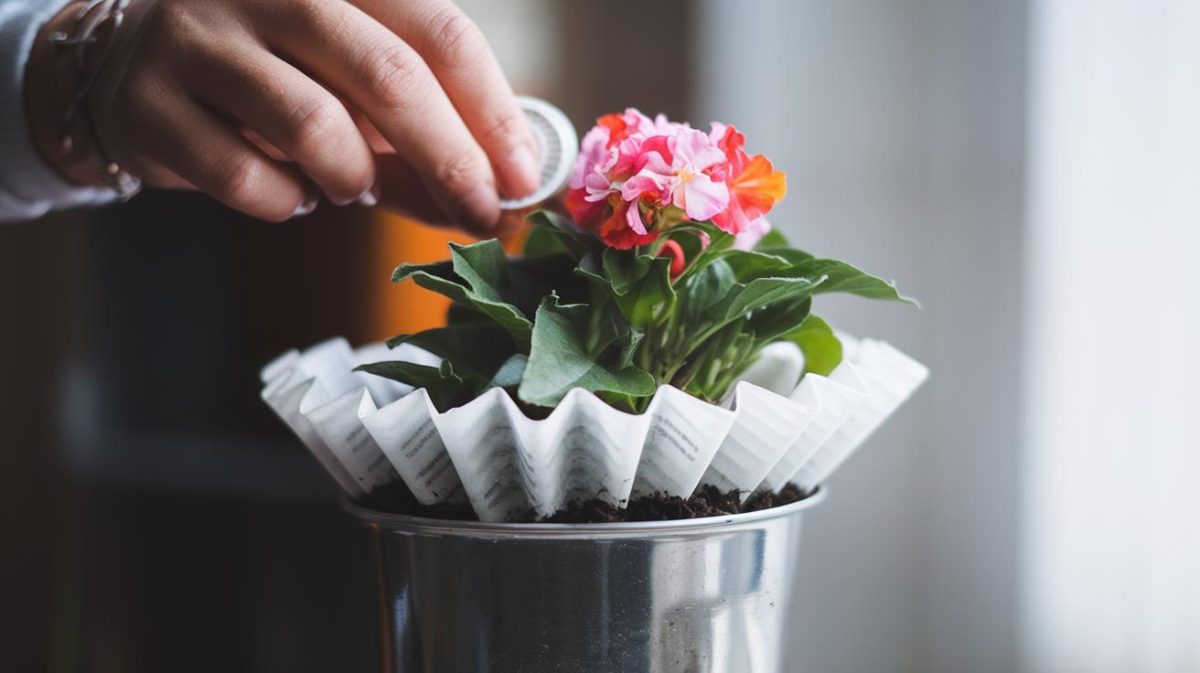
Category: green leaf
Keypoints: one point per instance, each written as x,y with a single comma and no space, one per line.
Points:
523,322
510,373
629,348
543,241
474,348
822,349
734,353
476,277
532,278
411,373
443,269
772,240
445,387
771,323
506,315
641,285
793,256
559,360
718,238
484,266
762,292
601,297
689,241
696,376
701,292
747,265
625,269
736,321
719,241
460,314
551,230
591,269
842,277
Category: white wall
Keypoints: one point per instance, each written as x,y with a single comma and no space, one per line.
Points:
1111,567
901,127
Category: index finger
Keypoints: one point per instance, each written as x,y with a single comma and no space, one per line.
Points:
459,56
389,81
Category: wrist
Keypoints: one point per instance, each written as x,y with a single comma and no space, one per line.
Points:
52,78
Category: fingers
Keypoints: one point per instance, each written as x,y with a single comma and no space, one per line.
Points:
464,64
392,85
186,145
266,81
294,114
401,190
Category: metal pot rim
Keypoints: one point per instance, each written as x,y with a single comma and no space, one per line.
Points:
705,525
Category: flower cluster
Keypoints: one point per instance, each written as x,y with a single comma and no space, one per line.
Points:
637,177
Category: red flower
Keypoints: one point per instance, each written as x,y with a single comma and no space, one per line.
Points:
615,230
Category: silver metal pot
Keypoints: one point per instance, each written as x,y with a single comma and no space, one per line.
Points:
697,596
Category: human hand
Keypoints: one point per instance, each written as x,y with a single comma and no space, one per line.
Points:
266,104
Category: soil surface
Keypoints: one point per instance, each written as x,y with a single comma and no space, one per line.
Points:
706,501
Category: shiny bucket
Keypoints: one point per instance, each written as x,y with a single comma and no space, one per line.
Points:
696,596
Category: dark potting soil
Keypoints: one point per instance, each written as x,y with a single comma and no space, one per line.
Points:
706,501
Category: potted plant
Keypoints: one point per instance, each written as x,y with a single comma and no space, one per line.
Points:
600,461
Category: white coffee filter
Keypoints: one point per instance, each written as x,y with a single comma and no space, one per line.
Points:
830,404
338,423
368,431
778,369
685,433
510,464
285,393
404,430
882,378
492,459
765,426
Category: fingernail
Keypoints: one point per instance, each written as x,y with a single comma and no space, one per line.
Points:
481,207
368,198
306,206
520,170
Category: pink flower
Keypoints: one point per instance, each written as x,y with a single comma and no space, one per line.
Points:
751,234
695,192
636,177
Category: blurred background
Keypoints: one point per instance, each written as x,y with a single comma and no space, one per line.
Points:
1029,170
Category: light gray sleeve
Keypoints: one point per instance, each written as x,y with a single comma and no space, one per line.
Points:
28,187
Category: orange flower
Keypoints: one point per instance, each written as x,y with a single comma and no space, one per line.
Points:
618,127
754,184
